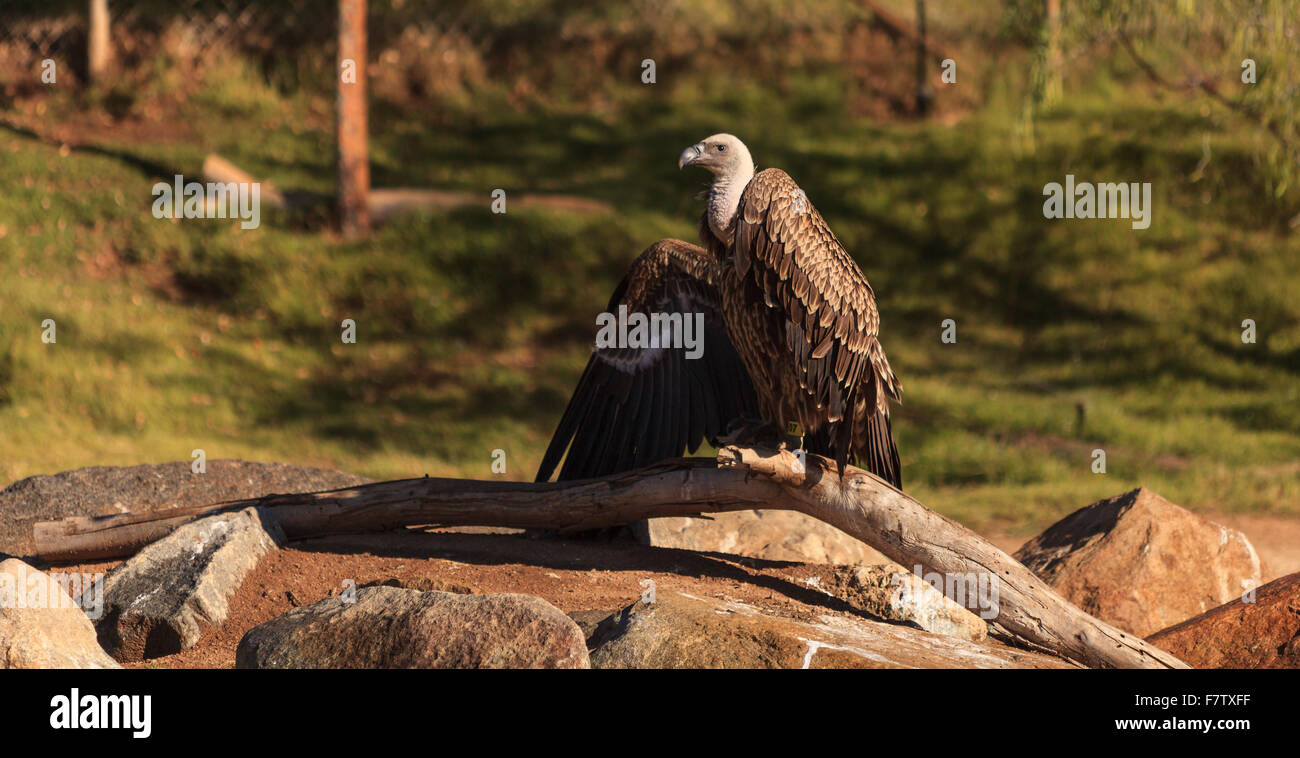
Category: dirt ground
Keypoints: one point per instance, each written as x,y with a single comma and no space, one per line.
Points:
572,575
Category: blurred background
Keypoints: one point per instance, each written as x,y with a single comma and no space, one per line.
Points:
473,327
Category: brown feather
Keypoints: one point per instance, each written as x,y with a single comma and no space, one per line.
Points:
811,343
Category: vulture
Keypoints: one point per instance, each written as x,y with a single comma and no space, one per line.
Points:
789,339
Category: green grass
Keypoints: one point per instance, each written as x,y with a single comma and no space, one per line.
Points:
473,327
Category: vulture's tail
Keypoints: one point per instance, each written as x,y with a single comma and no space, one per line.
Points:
878,455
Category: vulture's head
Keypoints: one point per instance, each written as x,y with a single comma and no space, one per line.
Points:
722,154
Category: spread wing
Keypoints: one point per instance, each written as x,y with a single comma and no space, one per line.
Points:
783,245
637,405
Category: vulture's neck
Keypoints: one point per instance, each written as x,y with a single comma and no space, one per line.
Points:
724,200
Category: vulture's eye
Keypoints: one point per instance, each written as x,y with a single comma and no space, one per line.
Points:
722,148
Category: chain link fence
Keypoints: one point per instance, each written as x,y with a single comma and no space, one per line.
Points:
424,52
466,38
296,35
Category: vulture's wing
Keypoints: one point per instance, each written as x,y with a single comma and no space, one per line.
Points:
784,247
636,406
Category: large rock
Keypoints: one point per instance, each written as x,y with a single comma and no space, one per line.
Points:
389,627
119,489
1142,563
1260,634
41,626
766,534
891,592
159,600
679,630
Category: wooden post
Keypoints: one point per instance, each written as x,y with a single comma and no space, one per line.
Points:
353,134
98,51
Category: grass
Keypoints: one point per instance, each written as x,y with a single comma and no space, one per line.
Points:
472,327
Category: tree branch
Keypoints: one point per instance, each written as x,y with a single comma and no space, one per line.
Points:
1207,87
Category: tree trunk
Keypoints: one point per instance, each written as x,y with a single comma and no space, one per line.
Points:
353,135
741,479
1052,84
924,95
99,52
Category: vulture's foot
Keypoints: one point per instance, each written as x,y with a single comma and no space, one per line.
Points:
755,433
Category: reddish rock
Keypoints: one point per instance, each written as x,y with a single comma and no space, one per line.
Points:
1262,634
1142,563
41,626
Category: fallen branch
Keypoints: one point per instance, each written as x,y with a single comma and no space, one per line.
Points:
218,169
387,203
741,479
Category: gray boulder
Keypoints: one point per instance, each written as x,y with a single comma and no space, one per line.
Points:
684,631
158,601
772,535
389,627
121,489
893,593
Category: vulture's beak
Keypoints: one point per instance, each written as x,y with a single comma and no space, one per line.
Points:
689,156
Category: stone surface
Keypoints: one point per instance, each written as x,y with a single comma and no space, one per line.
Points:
41,626
120,489
1262,634
158,601
891,592
425,584
767,534
588,621
390,627
680,630
1142,563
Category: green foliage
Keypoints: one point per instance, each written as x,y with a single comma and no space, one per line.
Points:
1196,47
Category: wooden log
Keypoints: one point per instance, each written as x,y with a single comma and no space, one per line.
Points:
218,169
678,487
390,202
385,204
859,503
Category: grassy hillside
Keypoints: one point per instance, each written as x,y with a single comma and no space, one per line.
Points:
473,327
